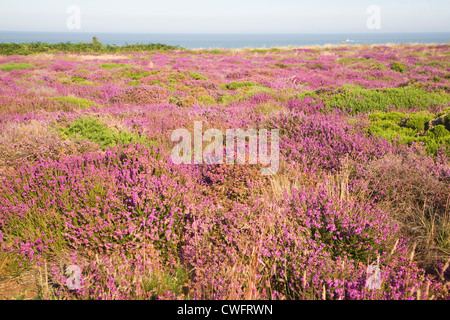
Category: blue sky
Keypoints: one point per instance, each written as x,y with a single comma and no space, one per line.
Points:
225,16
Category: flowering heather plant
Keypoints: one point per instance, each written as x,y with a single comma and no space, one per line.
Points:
93,206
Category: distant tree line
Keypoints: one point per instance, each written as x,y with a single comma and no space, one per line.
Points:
81,47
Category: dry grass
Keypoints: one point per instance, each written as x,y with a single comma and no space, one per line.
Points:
20,141
286,180
422,210
79,57
98,270
270,109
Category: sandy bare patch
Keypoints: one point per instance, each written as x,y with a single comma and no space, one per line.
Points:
21,288
94,57
78,57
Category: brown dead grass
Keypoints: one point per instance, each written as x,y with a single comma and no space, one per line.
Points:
20,141
422,209
78,57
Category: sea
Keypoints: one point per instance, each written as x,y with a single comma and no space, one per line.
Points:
227,41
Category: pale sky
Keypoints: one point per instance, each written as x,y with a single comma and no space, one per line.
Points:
225,16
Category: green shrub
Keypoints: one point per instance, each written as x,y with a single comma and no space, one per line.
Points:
438,132
409,128
393,116
318,66
356,100
237,85
115,66
134,74
94,46
78,79
447,120
92,129
377,66
259,50
206,100
417,121
134,83
15,66
79,102
399,67
81,81
416,54
196,76
437,64
281,65
225,99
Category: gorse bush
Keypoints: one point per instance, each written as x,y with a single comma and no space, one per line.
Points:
399,67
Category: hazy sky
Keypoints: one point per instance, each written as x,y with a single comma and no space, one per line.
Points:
225,16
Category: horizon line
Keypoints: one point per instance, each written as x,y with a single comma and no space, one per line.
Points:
231,33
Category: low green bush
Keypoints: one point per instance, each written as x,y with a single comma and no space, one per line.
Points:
92,129
399,67
357,100
237,85
196,76
79,102
81,47
15,66
410,128
115,66
206,100
417,121
134,74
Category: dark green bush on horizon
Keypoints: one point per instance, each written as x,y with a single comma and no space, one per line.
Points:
81,47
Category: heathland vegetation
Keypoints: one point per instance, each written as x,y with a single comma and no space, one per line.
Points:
359,208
